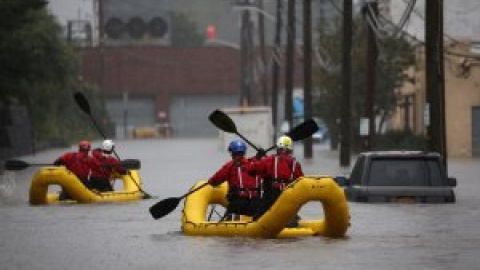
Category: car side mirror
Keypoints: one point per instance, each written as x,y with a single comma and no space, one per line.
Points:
452,181
342,180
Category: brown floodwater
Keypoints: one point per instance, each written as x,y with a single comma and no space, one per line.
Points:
125,236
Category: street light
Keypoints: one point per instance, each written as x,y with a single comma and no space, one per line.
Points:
258,10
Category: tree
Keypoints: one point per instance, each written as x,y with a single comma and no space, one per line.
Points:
39,70
184,32
395,56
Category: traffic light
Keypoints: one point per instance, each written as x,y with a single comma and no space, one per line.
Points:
211,32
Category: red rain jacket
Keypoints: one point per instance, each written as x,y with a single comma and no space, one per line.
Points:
281,168
240,182
76,162
103,166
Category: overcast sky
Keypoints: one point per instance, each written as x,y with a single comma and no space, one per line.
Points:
71,9
461,16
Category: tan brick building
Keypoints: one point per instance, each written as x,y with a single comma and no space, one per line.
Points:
462,99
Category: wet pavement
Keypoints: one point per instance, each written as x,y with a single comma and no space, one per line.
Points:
124,236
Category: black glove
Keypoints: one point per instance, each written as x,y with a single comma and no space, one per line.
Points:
214,184
260,153
58,163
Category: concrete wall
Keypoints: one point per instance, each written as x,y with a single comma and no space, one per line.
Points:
16,137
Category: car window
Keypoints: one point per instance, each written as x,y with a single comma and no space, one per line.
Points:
356,176
398,172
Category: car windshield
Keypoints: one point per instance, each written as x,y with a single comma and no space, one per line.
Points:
403,172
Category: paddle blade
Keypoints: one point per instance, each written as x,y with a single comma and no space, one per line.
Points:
15,165
164,207
303,130
130,164
82,102
222,121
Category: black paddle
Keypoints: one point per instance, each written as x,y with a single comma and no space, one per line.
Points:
301,131
225,123
130,164
17,165
164,207
82,102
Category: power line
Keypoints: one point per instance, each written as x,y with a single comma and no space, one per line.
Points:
420,16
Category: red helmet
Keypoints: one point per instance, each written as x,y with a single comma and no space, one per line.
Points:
84,146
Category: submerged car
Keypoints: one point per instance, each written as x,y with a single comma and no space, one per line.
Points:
394,176
321,135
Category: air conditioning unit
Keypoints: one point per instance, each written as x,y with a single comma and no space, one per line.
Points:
133,22
136,28
114,28
158,27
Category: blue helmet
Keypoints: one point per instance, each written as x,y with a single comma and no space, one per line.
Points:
237,147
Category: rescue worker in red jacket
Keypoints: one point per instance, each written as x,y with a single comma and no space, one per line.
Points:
277,171
104,166
244,189
77,163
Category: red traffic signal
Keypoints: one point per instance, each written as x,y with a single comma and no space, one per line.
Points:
211,32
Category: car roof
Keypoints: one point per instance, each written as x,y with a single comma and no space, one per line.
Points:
400,154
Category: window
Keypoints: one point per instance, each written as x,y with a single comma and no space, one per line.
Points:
398,172
357,172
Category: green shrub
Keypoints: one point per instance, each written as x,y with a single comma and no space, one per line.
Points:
400,140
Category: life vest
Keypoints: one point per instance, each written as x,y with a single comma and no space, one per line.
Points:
77,163
283,171
241,183
278,170
104,166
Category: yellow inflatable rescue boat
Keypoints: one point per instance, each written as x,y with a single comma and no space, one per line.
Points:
74,187
335,222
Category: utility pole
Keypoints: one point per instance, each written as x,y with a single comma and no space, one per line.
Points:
246,46
290,68
101,39
98,5
346,84
307,72
276,66
435,77
371,11
261,33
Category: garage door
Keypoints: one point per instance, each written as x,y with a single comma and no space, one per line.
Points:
476,131
140,111
189,113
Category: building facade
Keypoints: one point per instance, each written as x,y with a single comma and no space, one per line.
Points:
145,85
462,99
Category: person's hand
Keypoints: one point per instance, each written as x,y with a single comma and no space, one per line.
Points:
213,184
58,163
260,153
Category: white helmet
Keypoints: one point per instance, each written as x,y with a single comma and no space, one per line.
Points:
107,146
284,143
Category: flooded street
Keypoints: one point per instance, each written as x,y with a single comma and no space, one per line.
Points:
125,236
